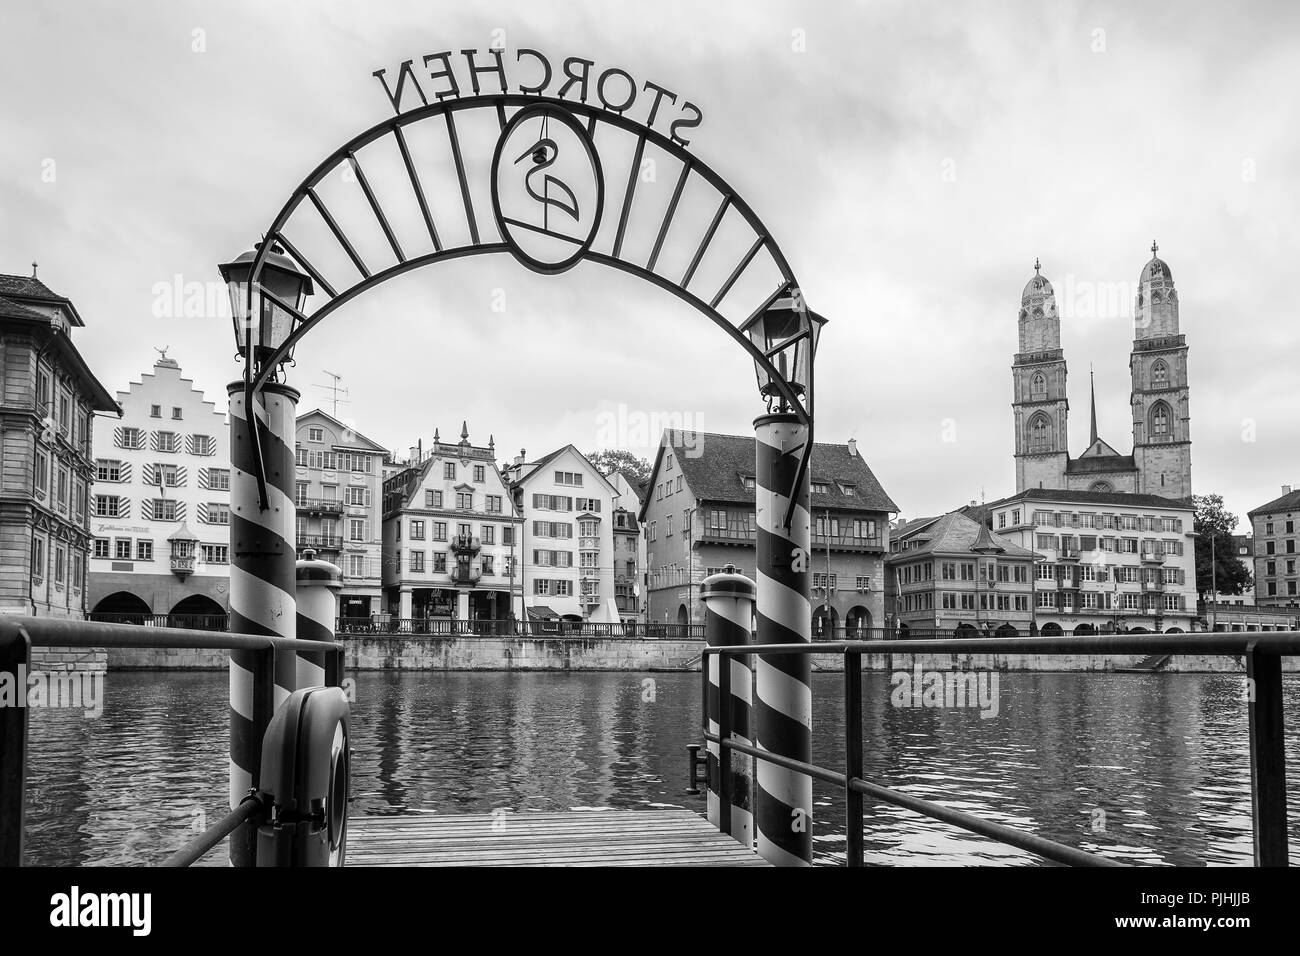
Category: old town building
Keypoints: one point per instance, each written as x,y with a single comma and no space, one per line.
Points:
451,539
1161,459
338,496
161,506
699,517
1276,530
952,577
48,400
567,550
1106,561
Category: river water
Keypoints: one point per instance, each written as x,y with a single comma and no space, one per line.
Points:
1152,769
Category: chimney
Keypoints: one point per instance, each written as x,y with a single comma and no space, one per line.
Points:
523,455
1286,489
413,453
853,447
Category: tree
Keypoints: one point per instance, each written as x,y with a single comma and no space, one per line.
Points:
616,459
1214,527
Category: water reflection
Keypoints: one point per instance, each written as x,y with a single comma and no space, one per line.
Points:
1151,769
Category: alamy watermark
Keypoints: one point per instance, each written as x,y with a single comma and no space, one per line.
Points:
974,689
70,689
640,431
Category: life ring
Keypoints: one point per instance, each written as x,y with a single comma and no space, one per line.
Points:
305,780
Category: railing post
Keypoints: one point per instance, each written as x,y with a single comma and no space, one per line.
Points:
728,615
15,657
1267,757
783,798
853,756
318,587
262,586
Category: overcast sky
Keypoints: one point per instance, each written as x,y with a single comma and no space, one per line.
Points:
911,160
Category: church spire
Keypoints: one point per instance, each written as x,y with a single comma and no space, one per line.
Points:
1092,385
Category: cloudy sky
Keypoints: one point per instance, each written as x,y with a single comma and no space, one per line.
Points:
911,160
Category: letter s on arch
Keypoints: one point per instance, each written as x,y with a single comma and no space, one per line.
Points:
685,124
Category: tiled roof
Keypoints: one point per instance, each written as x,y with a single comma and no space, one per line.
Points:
27,287
957,534
10,309
1117,498
723,462
1100,463
1288,502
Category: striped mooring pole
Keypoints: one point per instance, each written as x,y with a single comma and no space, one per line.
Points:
728,619
783,711
262,584
319,583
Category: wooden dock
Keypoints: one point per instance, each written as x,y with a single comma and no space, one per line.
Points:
665,837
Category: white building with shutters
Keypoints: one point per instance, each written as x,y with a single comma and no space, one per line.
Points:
568,538
338,492
160,505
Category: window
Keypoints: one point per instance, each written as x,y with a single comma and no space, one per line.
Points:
61,496
417,530
168,441
1159,375
821,488
417,562
507,535
1160,421
316,434
218,479
358,496
77,569
203,445
569,478
122,549
218,513
1040,434
108,506
439,531
155,411
479,473
42,474
487,564
163,509
1038,386
143,549
214,553
163,475
492,504
131,438
328,460
465,530
300,494
100,548
356,565
108,470
541,586
440,562
356,529
433,499
464,501
489,532
449,471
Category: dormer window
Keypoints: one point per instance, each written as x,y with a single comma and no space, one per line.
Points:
749,482
821,488
850,491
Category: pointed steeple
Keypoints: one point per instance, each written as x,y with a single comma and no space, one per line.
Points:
464,433
1092,384
436,438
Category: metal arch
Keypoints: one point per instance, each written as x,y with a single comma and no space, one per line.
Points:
690,165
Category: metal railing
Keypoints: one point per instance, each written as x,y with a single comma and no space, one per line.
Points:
383,625
1262,652
187,622
18,635
320,505
320,542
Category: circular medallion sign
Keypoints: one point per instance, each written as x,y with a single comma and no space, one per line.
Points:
548,190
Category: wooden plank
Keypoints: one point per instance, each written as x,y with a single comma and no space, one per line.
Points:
652,837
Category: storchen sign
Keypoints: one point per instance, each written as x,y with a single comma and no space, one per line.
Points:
450,75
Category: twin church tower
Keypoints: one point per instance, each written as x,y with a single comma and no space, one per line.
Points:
1161,462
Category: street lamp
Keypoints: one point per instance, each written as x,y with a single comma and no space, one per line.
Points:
279,284
786,333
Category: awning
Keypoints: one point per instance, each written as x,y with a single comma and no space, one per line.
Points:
542,613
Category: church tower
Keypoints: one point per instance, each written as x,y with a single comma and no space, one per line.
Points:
1162,441
1039,404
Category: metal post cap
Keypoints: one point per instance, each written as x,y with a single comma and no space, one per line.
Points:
311,571
728,583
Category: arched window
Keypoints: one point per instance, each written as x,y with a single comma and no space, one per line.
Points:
1038,386
1160,421
1159,375
1040,433
1155,297
1101,486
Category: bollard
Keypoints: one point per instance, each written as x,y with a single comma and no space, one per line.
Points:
728,616
783,710
262,584
319,583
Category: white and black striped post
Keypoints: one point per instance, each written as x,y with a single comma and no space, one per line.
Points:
319,583
262,582
783,709
728,619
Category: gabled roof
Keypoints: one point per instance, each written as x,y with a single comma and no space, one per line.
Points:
1116,498
536,466
361,439
954,533
32,288
716,466
1099,449
1288,502
1100,464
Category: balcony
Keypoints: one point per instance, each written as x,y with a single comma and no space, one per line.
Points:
465,544
730,534
1153,557
847,542
320,542
319,506
182,565
1068,554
